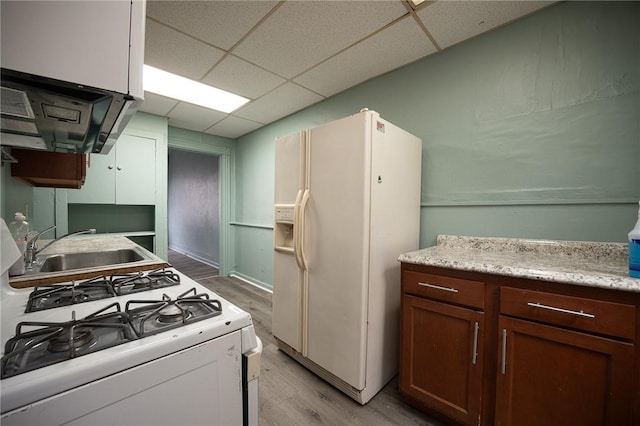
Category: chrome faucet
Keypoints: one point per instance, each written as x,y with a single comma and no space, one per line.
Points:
32,245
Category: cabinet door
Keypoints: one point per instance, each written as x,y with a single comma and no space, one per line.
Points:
551,376
441,360
135,170
127,175
99,185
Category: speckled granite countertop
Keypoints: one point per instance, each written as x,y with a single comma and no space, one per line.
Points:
593,264
87,243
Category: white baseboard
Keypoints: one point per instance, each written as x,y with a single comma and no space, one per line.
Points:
196,257
252,281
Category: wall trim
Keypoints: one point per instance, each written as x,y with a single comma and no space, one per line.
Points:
191,145
252,281
200,259
251,225
525,203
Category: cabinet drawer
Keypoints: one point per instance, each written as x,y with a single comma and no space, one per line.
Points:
448,289
609,318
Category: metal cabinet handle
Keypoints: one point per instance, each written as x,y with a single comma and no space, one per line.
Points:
437,287
476,327
110,167
503,367
565,311
119,168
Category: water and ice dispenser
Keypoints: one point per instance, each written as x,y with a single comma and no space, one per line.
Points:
284,219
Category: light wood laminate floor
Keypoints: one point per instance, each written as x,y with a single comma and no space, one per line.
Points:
289,394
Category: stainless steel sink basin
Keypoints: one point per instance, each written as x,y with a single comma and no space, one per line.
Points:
70,261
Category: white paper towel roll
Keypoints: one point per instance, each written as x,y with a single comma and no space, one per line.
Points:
9,252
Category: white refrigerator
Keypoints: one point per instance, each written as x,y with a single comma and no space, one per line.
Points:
347,204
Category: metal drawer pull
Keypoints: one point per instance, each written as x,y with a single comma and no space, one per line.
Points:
503,367
437,287
476,327
566,311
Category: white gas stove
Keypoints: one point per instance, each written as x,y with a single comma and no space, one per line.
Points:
150,348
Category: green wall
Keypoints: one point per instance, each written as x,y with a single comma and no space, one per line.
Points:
531,130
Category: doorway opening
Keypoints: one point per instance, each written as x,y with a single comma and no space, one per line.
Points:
194,206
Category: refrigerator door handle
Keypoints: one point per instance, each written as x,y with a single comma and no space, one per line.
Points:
296,230
303,207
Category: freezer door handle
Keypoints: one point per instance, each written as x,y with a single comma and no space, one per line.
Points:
296,231
303,207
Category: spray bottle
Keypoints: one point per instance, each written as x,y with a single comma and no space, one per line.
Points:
634,249
19,229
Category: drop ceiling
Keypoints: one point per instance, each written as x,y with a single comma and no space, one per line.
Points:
288,55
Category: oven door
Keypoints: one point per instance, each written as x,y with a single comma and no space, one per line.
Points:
198,385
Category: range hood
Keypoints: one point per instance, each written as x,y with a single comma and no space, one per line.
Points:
71,73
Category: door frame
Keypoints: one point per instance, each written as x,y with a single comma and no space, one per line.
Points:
225,163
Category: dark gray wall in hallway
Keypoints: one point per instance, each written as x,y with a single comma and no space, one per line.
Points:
193,205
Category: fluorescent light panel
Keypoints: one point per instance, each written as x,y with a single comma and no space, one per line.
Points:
180,88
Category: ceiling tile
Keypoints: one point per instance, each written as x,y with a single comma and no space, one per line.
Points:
188,57
302,33
451,22
221,23
233,127
156,104
283,101
397,45
240,77
193,117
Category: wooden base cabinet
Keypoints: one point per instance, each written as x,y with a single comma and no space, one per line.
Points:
440,352
481,349
441,360
564,357
549,376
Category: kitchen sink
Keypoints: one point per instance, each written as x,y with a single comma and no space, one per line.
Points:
70,261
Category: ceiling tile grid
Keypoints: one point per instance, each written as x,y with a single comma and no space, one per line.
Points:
193,117
242,78
395,46
220,23
283,101
300,34
451,22
156,104
233,127
178,53
287,55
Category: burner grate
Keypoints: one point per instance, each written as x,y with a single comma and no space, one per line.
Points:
54,296
134,283
39,344
153,316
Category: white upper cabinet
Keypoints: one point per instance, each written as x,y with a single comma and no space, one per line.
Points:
127,175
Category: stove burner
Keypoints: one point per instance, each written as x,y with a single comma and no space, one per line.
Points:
76,338
55,296
173,313
39,344
71,298
137,282
154,316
